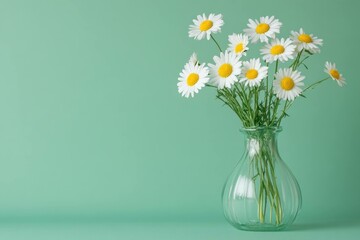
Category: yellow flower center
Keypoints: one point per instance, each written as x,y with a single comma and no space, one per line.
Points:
305,38
262,28
277,49
251,74
335,74
287,83
239,48
206,25
225,70
192,79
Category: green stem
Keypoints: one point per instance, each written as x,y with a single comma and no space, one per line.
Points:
248,105
303,60
295,64
277,103
266,93
233,103
271,93
256,103
315,84
289,104
240,93
208,85
275,197
231,107
217,44
284,112
278,207
261,186
276,65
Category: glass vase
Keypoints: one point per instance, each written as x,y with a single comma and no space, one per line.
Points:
261,194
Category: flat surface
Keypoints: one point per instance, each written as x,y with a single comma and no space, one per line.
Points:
92,124
91,120
172,230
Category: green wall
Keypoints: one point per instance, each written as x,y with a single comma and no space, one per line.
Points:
92,125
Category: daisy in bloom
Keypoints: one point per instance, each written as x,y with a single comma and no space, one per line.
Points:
252,72
263,29
192,79
287,84
226,68
279,49
193,59
204,26
306,41
330,68
238,44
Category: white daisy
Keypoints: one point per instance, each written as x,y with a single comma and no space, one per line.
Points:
226,68
192,79
282,49
330,68
252,72
306,41
287,84
263,29
238,44
194,59
204,26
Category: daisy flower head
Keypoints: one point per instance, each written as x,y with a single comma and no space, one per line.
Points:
264,29
306,41
279,49
252,72
192,79
287,84
204,26
194,59
225,70
330,68
238,44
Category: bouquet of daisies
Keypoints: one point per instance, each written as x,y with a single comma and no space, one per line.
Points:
259,90
259,98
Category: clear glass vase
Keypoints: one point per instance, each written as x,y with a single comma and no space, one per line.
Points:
261,194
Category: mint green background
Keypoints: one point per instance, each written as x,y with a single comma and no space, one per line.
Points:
92,126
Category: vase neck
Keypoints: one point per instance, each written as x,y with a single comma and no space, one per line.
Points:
258,140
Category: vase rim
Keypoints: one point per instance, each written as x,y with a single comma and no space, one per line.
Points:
262,128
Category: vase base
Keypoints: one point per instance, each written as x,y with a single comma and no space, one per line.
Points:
260,227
